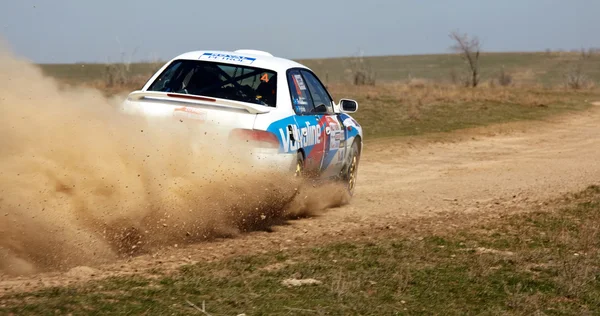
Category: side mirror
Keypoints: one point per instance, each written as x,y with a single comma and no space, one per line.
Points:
348,106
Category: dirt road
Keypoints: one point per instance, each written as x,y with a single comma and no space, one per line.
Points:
535,162
529,164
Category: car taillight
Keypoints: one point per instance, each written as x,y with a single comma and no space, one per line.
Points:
256,138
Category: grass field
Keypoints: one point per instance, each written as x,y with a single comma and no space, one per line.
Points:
527,68
545,262
403,110
413,96
546,69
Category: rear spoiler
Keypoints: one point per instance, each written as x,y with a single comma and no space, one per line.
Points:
200,100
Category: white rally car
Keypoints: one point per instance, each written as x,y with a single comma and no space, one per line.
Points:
278,105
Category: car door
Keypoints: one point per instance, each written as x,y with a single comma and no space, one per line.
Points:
332,128
308,130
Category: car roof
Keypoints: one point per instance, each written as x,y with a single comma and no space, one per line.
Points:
248,57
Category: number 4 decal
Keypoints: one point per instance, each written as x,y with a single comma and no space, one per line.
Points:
265,78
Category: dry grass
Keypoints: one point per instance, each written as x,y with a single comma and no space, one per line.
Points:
415,106
111,79
423,92
125,85
420,106
416,92
547,69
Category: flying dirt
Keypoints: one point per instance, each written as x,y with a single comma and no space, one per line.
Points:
82,183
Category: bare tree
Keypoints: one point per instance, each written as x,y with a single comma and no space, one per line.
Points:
469,48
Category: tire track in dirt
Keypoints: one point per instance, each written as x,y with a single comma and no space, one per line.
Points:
399,182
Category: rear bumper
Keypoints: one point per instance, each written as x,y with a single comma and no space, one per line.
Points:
272,160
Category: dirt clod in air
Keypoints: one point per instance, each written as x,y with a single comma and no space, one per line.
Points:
80,184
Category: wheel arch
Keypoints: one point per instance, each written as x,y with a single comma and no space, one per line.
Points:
360,143
301,150
357,139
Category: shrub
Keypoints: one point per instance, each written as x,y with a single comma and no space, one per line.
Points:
362,73
504,78
116,74
575,78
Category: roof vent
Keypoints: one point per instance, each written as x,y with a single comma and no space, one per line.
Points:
253,52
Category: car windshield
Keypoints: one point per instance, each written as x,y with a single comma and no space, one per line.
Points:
217,80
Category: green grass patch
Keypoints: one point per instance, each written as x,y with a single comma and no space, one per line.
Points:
541,262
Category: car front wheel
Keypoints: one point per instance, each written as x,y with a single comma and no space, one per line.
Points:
352,169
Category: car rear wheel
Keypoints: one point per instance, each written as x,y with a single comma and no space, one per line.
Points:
299,172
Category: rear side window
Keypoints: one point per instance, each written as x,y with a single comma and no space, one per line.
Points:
301,98
218,80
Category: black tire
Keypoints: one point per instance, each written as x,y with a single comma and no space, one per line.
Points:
351,172
299,171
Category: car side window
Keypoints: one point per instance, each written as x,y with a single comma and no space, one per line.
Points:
318,93
301,97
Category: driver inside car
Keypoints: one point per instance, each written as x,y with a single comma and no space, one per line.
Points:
202,79
266,91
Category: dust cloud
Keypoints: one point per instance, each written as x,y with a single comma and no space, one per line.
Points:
82,184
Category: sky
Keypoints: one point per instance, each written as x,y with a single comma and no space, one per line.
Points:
68,31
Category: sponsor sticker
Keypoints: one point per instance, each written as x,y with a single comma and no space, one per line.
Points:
227,58
189,113
306,136
301,100
300,82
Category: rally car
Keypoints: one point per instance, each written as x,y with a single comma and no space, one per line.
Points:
278,105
